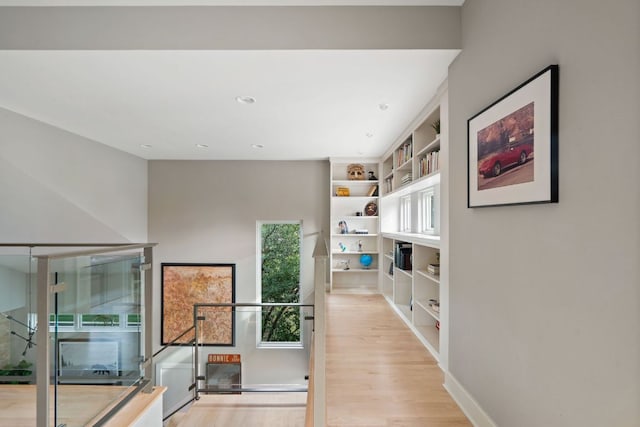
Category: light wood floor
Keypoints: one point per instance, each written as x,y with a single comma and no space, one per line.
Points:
378,373
246,409
78,405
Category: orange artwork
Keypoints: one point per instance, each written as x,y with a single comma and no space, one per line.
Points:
184,285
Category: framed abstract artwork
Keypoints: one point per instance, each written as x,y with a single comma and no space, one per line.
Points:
513,146
184,285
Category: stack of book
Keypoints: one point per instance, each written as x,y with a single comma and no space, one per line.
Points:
433,268
406,178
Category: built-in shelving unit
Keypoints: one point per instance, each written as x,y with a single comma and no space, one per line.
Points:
416,158
413,221
354,228
415,292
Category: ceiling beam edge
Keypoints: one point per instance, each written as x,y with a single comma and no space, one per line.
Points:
230,28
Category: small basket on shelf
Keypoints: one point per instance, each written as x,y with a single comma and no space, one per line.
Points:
343,192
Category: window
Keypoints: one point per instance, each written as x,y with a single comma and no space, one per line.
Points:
134,320
279,280
101,320
130,322
64,320
405,214
427,211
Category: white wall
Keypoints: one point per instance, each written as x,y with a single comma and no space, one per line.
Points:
13,285
59,187
545,299
12,288
206,212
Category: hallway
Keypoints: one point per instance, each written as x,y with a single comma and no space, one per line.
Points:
378,373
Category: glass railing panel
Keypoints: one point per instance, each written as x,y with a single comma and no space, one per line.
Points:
96,326
17,322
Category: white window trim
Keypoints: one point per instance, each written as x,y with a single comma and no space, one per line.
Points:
426,205
266,344
405,214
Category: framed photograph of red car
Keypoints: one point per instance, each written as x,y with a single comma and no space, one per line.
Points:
513,146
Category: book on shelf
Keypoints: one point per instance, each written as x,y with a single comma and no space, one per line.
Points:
403,256
429,164
373,191
404,153
388,185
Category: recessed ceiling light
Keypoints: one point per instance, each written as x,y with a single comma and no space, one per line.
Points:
383,106
147,146
202,146
257,146
246,99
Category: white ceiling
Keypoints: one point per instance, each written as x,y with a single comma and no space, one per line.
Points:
311,104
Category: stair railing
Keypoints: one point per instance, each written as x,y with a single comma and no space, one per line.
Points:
197,316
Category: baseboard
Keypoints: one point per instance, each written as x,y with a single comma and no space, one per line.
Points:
467,403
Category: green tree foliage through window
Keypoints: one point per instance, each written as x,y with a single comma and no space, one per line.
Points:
280,281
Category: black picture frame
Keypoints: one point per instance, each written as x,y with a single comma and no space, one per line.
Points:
512,146
186,284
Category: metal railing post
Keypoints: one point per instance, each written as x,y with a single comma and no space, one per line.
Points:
148,317
196,359
42,338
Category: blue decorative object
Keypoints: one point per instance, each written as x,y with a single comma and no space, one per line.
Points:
366,260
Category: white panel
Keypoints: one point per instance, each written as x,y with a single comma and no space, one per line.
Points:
177,377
